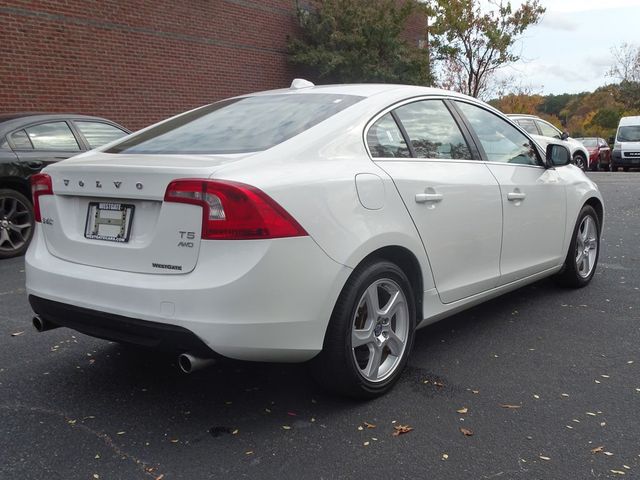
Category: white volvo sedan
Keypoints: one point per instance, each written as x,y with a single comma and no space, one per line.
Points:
322,223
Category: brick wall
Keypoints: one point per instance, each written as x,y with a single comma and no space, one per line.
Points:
137,62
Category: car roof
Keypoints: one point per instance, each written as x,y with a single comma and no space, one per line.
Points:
625,121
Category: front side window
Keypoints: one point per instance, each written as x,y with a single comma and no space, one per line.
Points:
238,125
548,130
98,133
52,136
385,139
432,131
589,142
500,140
21,140
528,126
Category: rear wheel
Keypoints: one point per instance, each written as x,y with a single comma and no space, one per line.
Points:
16,223
582,259
370,333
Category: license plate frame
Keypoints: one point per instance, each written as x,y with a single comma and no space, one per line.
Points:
109,221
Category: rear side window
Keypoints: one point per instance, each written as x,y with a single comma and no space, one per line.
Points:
385,139
52,136
528,126
98,133
432,131
240,125
21,140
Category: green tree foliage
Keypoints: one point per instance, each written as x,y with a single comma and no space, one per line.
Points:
359,41
471,44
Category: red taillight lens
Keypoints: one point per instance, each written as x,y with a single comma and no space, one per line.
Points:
40,185
234,211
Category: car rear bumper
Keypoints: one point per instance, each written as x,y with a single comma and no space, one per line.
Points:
264,300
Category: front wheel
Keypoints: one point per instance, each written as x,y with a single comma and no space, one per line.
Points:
580,161
370,333
580,264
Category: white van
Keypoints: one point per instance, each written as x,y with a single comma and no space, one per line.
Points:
626,149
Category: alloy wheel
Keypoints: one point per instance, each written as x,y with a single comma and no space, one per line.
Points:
586,246
15,224
380,330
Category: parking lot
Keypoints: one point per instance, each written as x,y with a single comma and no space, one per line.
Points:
539,384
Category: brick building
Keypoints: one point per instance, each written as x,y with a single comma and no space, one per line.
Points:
137,62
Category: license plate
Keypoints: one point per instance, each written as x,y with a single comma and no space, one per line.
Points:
109,221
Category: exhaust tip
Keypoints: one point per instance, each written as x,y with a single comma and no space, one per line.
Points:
38,324
190,363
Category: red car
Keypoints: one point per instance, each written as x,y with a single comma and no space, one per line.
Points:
599,153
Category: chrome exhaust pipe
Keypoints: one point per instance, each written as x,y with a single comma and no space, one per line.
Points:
189,363
42,325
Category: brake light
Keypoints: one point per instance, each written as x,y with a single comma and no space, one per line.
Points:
40,185
234,211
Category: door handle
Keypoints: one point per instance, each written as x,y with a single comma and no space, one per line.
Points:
428,197
515,196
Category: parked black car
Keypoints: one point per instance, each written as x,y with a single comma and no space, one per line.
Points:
28,143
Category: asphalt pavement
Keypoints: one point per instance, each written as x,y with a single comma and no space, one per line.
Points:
544,382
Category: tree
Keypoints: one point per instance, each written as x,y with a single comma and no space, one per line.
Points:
626,66
359,41
471,44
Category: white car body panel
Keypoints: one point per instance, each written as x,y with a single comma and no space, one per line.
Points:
272,300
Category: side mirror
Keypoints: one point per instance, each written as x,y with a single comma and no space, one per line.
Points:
564,136
558,155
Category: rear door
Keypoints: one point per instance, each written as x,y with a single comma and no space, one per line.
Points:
452,197
44,143
533,197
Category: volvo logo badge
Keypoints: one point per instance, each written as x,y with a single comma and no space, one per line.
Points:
98,184
81,183
117,184
139,186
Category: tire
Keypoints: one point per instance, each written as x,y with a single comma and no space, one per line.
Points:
16,223
580,161
576,273
625,169
614,168
351,371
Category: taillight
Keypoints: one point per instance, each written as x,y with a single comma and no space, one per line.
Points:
234,211
40,185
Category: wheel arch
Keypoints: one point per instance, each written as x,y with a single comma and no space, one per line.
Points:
408,262
598,207
18,184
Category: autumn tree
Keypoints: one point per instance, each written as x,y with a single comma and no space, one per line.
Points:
359,41
471,44
626,66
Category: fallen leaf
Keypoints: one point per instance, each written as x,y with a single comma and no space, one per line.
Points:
597,449
627,467
475,391
121,433
369,425
445,456
591,414
235,432
174,440
249,452
608,454
16,334
466,432
438,384
360,427
564,395
160,477
366,444
542,457
618,472
401,429
463,410
286,427
506,405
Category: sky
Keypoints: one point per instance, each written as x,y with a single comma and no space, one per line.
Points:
569,51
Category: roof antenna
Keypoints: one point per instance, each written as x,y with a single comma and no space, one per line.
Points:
299,83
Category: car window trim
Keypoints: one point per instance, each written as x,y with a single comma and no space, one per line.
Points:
403,132
513,123
532,120
391,109
42,122
559,133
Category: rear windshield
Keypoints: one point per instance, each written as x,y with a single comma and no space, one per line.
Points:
239,125
589,142
629,134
